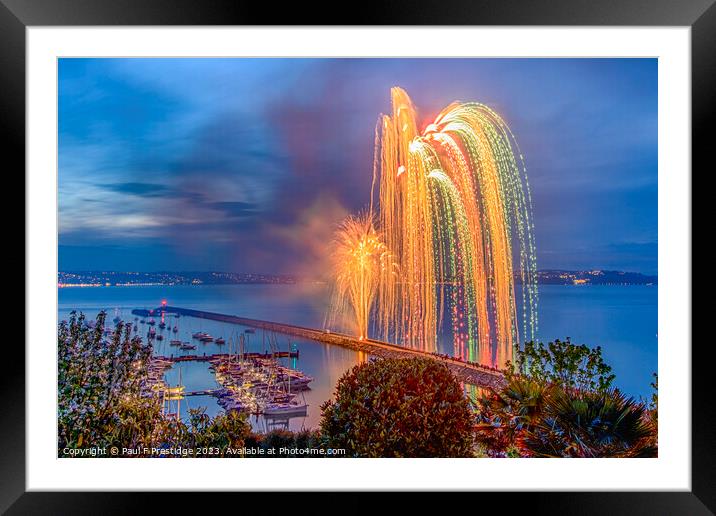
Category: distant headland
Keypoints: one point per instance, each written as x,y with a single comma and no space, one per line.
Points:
129,278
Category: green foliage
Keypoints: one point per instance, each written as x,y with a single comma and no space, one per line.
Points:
653,410
563,363
399,408
137,422
99,383
654,403
558,402
505,415
227,429
590,424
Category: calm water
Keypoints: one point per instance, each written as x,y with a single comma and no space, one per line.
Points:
620,319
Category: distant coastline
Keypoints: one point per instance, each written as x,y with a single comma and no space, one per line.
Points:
128,278
592,277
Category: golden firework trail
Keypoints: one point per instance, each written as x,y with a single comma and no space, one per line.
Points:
453,201
361,263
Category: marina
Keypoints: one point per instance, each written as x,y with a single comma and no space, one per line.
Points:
259,386
250,382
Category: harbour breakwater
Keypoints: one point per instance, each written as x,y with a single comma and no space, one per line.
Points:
465,372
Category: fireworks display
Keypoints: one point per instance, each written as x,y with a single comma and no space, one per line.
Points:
455,217
361,262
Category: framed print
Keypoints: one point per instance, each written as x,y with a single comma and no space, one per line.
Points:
434,249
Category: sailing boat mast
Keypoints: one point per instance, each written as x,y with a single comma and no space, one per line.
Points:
179,398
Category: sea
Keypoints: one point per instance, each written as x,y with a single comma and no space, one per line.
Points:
622,319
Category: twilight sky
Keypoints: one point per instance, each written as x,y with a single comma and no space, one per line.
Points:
246,165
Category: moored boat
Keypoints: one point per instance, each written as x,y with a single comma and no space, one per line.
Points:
284,409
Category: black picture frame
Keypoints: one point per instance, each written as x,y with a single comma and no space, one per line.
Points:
700,15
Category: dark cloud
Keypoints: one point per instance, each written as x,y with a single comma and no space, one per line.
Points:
234,144
235,208
140,189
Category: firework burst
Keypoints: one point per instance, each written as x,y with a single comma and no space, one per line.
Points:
361,262
454,200
455,216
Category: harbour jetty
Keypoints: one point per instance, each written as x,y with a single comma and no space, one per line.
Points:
244,356
471,373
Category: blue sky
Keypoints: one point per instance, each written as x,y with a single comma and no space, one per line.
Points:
247,164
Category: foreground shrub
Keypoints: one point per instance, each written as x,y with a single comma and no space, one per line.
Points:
399,408
558,402
225,430
99,384
563,363
505,415
590,424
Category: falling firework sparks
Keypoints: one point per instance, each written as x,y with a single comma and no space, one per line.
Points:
453,200
361,263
